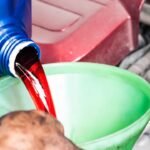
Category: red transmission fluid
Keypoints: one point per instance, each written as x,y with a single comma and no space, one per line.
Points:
102,31
30,70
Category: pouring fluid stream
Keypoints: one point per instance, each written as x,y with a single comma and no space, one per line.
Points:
30,71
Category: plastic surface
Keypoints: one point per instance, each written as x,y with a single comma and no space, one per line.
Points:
16,12
103,31
15,30
101,107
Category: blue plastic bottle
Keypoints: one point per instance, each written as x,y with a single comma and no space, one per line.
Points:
15,32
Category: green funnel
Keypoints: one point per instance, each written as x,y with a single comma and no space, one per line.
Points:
101,107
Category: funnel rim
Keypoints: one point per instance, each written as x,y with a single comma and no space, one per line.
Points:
56,69
61,68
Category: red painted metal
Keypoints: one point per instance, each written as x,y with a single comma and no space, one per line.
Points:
102,31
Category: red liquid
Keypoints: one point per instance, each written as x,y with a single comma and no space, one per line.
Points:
30,70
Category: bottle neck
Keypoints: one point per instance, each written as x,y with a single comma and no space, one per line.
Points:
12,41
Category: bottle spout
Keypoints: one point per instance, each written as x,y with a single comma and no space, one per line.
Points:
14,40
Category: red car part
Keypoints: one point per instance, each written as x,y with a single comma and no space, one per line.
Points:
102,31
